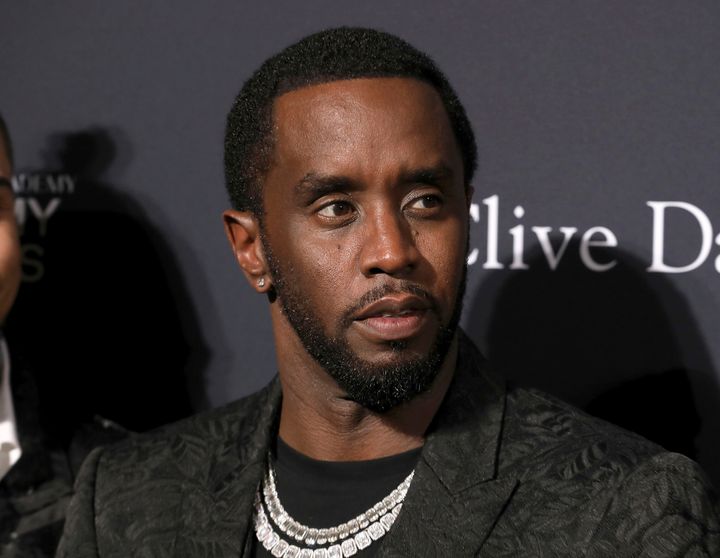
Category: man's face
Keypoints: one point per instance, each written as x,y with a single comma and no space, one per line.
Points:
9,244
365,232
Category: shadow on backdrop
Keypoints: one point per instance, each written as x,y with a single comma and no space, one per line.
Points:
103,318
602,341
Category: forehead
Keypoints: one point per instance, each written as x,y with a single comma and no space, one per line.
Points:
385,119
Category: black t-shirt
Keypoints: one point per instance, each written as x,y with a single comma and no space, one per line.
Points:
327,493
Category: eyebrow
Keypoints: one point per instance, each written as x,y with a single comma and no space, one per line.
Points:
316,185
432,176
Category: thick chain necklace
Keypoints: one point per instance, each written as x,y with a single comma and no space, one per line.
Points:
341,541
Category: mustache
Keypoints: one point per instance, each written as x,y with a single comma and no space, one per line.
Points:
381,291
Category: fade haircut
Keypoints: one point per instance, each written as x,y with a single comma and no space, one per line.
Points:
331,55
5,137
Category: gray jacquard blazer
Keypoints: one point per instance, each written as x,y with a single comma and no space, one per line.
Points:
504,472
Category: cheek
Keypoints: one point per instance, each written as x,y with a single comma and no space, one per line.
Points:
445,252
342,282
318,267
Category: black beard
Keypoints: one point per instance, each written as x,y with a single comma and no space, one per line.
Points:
377,387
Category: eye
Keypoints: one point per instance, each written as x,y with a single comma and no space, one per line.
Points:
429,201
336,209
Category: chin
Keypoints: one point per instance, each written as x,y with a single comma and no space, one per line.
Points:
383,383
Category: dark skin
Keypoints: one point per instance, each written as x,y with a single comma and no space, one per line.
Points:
365,189
9,243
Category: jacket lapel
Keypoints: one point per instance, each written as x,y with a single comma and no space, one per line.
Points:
233,478
34,466
456,496
253,453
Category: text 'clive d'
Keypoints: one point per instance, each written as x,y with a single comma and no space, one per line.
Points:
595,244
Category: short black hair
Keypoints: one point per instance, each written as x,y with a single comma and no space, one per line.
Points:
5,137
330,55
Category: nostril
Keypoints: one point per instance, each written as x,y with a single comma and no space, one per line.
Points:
389,246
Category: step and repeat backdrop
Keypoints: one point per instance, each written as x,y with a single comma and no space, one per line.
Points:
595,241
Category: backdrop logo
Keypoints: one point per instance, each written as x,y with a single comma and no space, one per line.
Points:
38,197
595,243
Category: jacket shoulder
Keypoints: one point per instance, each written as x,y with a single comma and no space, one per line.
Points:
185,481
546,436
587,487
191,442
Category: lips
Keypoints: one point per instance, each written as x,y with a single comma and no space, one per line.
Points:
393,318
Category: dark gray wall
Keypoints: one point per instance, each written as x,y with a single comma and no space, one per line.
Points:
585,112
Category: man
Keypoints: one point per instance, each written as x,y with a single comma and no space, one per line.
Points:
36,471
349,161
33,494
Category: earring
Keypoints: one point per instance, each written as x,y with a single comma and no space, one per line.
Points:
261,282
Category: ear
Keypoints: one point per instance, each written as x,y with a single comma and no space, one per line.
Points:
243,232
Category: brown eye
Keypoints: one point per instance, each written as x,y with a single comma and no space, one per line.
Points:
425,202
336,209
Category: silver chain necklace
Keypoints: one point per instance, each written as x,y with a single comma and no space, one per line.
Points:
345,539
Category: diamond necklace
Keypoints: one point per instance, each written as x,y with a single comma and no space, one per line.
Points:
345,539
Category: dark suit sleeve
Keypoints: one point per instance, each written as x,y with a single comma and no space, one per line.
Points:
78,539
666,508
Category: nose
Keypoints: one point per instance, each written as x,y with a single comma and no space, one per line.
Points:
388,245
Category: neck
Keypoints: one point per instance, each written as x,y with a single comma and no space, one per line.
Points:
317,420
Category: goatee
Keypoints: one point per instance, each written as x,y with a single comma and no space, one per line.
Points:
377,387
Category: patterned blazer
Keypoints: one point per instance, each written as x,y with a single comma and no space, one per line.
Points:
504,472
